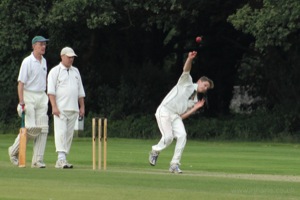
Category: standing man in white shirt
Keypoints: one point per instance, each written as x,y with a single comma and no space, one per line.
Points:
66,92
32,81
179,104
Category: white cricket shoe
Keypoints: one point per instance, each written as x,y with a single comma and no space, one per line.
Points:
63,164
38,164
174,168
69,165
153,155
13,158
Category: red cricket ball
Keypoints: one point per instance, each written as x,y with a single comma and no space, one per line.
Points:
198,39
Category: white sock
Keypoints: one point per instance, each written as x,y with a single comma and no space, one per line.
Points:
61,155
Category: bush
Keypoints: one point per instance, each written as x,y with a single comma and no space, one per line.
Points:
259,125
129,127
10,127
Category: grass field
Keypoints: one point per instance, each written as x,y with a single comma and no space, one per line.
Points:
212,171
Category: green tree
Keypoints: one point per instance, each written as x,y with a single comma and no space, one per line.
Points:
272,68
131,52
19,20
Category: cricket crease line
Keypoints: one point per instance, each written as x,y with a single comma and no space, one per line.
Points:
260,177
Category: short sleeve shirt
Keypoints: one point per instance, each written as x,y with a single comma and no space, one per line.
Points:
33,74
183,96
66,85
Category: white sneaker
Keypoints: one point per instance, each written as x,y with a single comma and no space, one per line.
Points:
63,164
174,168
153,155
38,164
69,165
13,158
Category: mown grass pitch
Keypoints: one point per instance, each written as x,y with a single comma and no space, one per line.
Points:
212,170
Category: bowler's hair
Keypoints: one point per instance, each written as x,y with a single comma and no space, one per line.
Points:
211,83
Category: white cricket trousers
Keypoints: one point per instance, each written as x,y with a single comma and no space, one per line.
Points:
36,107
63,130
171,127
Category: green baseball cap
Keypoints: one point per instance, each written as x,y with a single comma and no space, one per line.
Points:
39,39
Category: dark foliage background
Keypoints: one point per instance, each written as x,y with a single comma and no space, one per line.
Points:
131,54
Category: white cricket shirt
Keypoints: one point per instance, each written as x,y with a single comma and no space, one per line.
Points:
33,74
181,98
66,85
